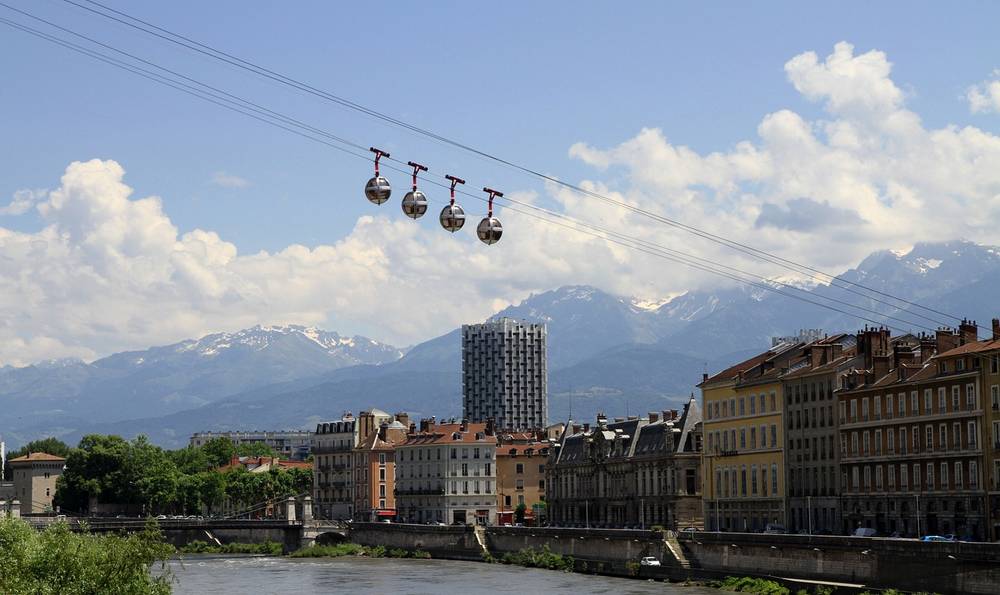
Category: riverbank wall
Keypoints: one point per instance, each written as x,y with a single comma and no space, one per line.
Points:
855,563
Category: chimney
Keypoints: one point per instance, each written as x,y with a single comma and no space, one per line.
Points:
816,355
996,329
654,417
880,366
704,376
465,426
403,418
927,345
382,429
902,355
413,428
491,427
577,429
969,331
946,340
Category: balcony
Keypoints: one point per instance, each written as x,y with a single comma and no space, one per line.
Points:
420,492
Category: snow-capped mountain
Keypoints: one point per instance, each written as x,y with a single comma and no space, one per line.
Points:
611,353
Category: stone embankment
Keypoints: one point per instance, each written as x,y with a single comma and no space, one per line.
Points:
853,562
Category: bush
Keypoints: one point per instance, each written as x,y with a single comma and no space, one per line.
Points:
330,551
58,560
545,558
202,547
756,586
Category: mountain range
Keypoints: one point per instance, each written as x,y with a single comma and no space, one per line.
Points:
605,353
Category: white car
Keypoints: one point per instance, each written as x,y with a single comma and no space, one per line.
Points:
649,561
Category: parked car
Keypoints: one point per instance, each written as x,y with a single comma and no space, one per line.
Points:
649,561
774,529
865,532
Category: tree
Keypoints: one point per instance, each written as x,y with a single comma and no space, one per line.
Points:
254,449
219,451
519,512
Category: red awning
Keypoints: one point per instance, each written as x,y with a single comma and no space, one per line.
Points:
388,512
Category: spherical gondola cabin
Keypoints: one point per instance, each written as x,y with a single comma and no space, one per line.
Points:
414,204
452,217
489,230
378,190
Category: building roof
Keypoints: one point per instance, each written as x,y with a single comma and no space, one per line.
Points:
973,347
733,372
451,433
253,464
36,457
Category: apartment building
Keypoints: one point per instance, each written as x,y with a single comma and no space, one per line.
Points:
446,473
375,471
504,376
521,460
812,456
911,427
287,444
744,457
629,472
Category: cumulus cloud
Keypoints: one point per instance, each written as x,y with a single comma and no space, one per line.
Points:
22,202
224,180
985,96
109,271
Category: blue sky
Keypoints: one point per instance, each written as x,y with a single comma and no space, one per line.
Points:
526,81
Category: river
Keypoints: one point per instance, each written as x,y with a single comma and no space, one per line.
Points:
216,575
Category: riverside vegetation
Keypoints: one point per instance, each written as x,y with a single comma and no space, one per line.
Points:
353,549
57,561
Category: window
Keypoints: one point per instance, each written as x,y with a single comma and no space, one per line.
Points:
914,403
763,478
381,458
864,409
942,400
773,401
519,484
519,468
774,477
868,478
995,365
970,396
878,442
725,409
973,474
843,412
732,407
892,478
916,476
381,474
958,475
890,441
929,442
916,438
753,437
753,404
971,431
753,480
995,393
454,453
854,444
928,401
867,441
930,476
943,436
743,409
854,410
878,406
904,480
763,403
763,437
743,480
902,441
878,478
725,441
743,438
954,398
888,406
488,470
944,476
774,434
902,405
475,453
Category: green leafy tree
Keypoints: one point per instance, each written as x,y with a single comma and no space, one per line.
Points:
254,449
519,512
219,451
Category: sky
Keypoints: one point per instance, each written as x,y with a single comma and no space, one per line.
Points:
133,215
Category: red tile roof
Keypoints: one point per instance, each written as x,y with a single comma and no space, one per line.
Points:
32,457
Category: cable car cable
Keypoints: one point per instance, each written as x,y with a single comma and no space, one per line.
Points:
601,233
217,54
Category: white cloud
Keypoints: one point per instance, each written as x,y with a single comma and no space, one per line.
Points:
22,202
110,272
985,96
224,180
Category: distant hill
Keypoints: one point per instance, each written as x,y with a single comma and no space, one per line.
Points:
606,353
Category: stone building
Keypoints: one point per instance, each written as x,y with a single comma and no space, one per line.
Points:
911,435
504,375
812,456
35,476
744,457
375,471
634,472
521,460
446,473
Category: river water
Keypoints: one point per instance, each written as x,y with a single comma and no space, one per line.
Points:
214,575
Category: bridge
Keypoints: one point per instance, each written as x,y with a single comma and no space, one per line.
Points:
290,531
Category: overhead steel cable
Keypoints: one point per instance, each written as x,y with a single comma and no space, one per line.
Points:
260,113
147,27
